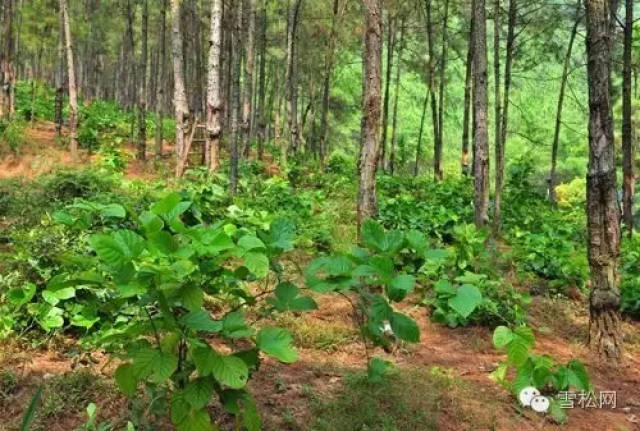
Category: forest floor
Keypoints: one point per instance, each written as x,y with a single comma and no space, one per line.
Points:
441,383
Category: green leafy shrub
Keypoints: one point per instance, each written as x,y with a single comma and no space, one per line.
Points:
539,371
630,276
11,135
372,273
339,162
166,267
572,193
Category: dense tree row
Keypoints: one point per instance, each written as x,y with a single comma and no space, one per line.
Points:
254,72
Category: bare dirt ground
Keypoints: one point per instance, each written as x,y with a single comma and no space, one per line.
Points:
283,391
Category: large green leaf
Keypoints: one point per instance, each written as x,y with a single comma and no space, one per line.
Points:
278,343
198,392
154,365
281,234
287,298
502,336
405,328
400,287
200,320
466,300
373,235
230,371
126,380
150,222
257,263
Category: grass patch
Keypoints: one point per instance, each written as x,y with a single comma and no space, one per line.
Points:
318,335
407,400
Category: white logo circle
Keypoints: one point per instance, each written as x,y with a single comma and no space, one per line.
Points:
527,394
540,404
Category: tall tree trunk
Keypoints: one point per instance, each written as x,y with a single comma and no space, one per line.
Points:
59,98
214,96
437,144
605,335
262,122
292,76
326,88
160,95
416,165
391,37
497,91
481,138
627,125
250,15
394,130
142,97
468,85
563,87
179,93
6,62
504,122
443,75
236,42
370,145
73,93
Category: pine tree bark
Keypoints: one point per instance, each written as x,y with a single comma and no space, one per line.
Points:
236,43
437,144
59,78
73,92
497,90
481,138
627,125
181,108
370,144
142,97
7,77
391,42
443,78
262,122
416,164
605,336
468,86
214,96
160,95
563,87
502,143
326,89
292,76
394,125
249,11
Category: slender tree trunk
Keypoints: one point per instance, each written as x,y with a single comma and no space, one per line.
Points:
563,87
605,334
497,98
416,165
391,37
73,93
59,98
437,144
370,145
500,147
627,125
326,89
160,95
292,77
468,85
262,122
443,78
142,98
179,92
7,77
394,131
249,11
214,96
481,139
236,43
